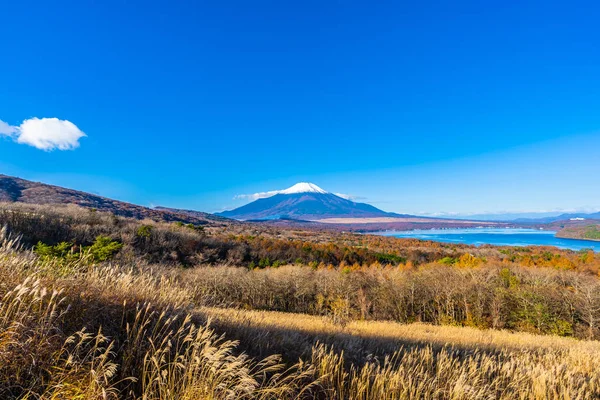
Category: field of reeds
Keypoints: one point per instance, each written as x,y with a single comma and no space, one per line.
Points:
106,322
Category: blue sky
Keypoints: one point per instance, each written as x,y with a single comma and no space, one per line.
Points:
420,107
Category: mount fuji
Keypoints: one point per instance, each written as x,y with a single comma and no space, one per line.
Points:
304,201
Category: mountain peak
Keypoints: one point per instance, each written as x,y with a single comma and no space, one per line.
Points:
303,187
305,201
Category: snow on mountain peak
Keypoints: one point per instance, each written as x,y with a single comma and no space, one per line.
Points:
303,187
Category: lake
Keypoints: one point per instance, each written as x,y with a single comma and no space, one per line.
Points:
499,237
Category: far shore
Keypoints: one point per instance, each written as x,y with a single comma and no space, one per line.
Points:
379,220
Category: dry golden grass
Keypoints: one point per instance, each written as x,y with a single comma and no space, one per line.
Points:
426,361
415,333
108,332
161,357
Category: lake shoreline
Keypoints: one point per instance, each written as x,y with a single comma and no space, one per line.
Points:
516,237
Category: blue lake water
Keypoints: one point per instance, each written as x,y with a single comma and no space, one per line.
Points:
499,237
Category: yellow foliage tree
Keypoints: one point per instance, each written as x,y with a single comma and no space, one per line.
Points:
469,261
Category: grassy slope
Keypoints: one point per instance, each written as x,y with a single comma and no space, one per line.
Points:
388,335
586,232
14,189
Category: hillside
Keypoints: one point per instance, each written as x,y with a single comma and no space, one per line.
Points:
589,231
14,189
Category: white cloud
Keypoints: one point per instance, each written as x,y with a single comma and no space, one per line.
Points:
44,133
350,197
256,196
264,195
6,129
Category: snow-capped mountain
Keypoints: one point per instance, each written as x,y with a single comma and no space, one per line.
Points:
303,187
305,201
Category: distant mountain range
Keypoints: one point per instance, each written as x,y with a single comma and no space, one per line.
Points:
306,201
532,217
561,217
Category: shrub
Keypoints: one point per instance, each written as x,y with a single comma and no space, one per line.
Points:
63,250
104,248
196,228
394,259
144,231
508,278
469,261
449,260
